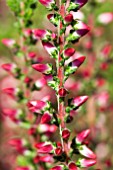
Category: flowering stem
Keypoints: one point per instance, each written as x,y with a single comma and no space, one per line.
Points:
60,73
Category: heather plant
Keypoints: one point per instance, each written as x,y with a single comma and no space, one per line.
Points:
38,150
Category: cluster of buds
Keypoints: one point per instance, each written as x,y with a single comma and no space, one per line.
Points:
41,118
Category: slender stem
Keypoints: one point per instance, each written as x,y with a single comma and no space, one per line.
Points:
60,73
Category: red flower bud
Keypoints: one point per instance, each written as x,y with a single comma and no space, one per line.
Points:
62,92
69,52
47,3
65,134
11,91
46,118
68,18
58,151
72,166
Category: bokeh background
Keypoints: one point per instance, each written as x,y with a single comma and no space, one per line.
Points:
95,78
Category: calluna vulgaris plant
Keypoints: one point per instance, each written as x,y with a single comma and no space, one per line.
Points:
41,119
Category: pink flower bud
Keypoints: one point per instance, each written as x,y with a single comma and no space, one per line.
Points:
46,148
77,62
47,3
65,134
39,33
106,50
80,2
68,18
11,91
72,166
43,128
46,118
87,162
27,32
36,106
82,136
57,168
15,142
9,112
9,67
50,48
50,16
69,52
27,80
22,168
43,68
81,28
8,42
78,101
105,18
85,151
39,84
32,131
46,158
62,92
31,55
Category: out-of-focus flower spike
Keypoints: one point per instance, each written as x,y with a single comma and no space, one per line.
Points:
58,167
50,4
72,166
43,68
51,49
76,4
80,27
85,151
39,84
46,118
82,136
84,163
8,42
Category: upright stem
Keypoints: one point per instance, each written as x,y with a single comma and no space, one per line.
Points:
60,73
